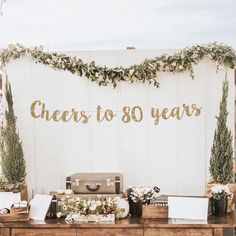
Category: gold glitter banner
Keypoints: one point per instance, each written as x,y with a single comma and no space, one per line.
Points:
129,114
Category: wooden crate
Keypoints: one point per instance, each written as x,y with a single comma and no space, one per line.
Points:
10,217
16,214
151,211
19,210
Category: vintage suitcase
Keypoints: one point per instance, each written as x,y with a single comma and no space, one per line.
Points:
87,183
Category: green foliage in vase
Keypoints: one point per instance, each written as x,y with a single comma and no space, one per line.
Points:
221,161
12,156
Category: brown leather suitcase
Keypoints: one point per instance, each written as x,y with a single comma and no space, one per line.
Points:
87,183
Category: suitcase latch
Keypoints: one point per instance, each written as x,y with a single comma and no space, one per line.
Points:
110,182
75,183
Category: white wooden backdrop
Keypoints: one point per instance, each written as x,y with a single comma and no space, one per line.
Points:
173,155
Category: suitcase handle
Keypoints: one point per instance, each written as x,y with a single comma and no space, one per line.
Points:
93,187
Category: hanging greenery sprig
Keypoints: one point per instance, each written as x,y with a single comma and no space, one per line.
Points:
223,55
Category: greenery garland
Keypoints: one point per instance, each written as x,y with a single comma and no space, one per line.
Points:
223,55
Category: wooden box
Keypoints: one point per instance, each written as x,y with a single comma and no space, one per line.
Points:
11,217
19,210
152,211
16,214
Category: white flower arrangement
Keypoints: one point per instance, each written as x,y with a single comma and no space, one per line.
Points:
91,206
142,194
221,192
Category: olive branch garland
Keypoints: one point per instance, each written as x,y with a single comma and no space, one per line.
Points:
223,55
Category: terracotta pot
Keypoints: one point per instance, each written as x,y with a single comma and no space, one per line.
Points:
232,189
24,192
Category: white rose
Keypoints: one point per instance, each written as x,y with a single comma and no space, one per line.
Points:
93,207
59,214
89,202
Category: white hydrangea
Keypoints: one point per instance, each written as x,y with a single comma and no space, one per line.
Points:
221,191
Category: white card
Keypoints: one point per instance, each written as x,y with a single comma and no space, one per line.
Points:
9,198
195,208
39,206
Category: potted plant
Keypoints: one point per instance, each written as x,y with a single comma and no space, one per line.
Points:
12,156
221,160
139,196
220,194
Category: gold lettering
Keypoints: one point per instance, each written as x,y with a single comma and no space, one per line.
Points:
108,114
164,114
155,113
85,118
126,117
64,116
186,109
82,116
32,108
55,115
75,115
44,113
175,113
99,119
134,113
38,110
197,110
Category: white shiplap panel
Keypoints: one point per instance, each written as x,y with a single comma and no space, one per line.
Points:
173,154
191,135
164,135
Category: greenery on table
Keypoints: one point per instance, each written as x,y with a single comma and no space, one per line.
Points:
147,71
221,161
12,156
88,206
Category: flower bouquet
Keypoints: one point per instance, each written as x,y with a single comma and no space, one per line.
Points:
139,196
97,209
220,194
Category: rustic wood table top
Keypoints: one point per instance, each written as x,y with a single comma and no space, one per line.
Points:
229,221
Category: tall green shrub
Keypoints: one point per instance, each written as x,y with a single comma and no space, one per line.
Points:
221,161
12,156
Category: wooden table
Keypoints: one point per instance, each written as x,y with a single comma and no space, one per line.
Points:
126,227
176,227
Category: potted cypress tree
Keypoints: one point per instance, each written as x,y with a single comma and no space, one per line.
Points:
221,160
12,156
